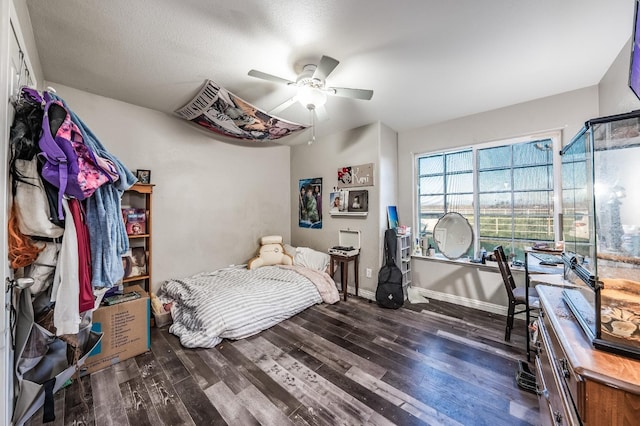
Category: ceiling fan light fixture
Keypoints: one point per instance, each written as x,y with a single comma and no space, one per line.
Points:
311,98
312,89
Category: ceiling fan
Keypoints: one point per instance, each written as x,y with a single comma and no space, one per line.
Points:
312,88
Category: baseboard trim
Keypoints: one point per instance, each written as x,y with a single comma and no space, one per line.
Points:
444,297
463,301
367,294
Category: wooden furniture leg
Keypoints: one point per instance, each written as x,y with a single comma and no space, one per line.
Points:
355,271
331,267
344,277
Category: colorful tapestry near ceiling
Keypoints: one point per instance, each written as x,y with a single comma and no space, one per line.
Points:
220,111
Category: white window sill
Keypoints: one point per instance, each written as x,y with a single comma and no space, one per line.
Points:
465,261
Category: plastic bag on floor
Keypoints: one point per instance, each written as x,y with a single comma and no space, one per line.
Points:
43,361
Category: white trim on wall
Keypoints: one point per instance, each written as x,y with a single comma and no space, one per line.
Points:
5,352
445,297
463,301
11,34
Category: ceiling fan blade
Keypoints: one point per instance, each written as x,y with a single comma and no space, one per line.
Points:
269,77
325,67
321,113
286,104
346,92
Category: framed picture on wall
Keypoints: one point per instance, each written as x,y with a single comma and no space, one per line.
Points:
144,176
358,201
338,201
139,261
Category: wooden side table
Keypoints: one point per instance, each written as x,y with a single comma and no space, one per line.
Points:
343,262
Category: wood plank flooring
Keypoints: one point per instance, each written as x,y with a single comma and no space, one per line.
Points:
352,363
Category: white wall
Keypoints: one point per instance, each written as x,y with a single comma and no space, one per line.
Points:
566,112
322,159
212,200
387,179
477,286
615,98
615,95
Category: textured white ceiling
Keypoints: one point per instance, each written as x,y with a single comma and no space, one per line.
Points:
426,60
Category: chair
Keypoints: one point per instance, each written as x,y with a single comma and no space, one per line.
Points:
517,295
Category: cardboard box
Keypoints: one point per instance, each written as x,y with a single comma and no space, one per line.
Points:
126,331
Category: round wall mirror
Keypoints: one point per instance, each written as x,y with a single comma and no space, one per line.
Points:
453,235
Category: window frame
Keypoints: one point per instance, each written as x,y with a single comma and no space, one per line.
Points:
556,139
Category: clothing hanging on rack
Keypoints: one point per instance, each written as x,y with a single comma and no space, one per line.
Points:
107,233
63,288
66,284
84,256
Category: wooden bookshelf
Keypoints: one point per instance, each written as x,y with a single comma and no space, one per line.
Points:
139,196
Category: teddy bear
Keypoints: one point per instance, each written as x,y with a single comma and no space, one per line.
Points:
271,252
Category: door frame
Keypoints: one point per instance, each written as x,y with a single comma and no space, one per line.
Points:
6,352
10,29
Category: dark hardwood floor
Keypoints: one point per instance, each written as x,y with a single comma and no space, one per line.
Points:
351,363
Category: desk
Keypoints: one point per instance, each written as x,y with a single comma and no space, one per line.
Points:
555,280
343,262
532,263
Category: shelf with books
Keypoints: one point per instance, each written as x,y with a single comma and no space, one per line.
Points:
136,214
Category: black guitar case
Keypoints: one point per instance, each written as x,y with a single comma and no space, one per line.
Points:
389,292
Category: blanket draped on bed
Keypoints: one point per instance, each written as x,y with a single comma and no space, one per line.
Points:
234,303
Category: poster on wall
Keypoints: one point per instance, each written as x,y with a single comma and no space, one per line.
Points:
220,111
310,203
354,176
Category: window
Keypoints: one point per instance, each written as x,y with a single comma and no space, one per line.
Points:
445,184
505,190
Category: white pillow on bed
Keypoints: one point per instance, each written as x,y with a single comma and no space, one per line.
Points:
290,250
308,257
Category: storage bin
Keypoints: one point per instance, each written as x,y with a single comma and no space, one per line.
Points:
163,319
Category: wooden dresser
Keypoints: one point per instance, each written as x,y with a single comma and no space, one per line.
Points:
576,383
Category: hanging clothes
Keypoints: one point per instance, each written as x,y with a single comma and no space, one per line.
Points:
66,282
62,271
107,234
84,256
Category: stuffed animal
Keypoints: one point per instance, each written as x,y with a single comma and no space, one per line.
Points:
271,252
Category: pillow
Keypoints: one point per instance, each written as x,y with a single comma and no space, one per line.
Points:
312,259
271,239
271,252
290,250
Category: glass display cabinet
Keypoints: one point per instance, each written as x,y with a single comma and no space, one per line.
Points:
601,230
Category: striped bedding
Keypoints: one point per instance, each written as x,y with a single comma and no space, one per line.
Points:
235,302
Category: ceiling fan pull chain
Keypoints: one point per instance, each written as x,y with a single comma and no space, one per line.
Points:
313,127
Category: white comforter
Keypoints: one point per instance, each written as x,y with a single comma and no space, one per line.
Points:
234,303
